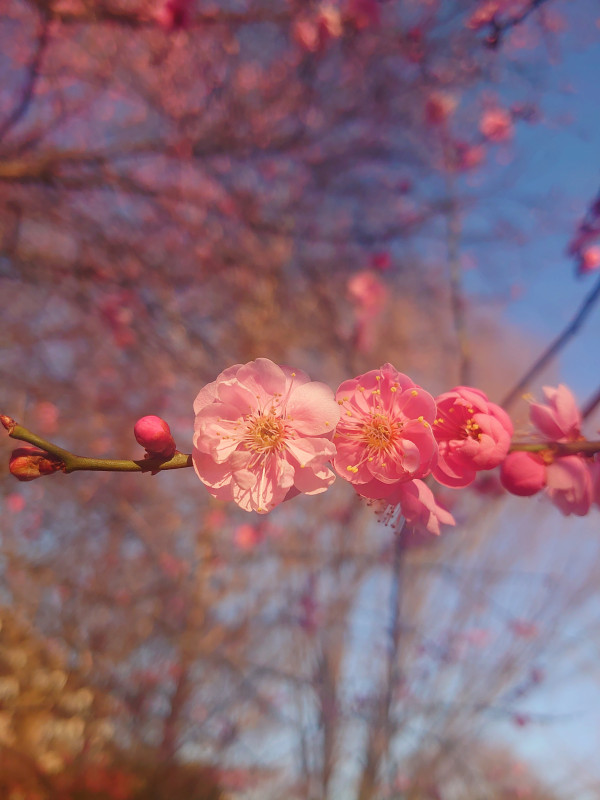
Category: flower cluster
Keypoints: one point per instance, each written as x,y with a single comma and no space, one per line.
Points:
570,481
265,433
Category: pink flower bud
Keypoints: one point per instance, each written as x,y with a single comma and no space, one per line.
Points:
523,473
154,435
29,463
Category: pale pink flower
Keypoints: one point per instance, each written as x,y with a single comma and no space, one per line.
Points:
560,420
262,433
384,436
569,485
414,501
472,434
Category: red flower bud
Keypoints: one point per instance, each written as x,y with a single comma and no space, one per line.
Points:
523,473
154,435
29,463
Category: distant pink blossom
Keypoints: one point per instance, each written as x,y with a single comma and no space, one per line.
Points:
483,14
465,156
439,107
369,295
262,433
384,436
472,433
247,537
524,629
174,14
589,260
496,124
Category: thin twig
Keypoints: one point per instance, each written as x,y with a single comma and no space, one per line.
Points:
74,463
34,70
555,347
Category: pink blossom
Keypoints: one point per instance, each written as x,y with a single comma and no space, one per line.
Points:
569,485
524,629
262,433
363,13
153,434
523,474
173,14
367,291
589,260
384,436
439,106
560,420
483,14
568,479
496,124
414,501
247,537
369,294
472,434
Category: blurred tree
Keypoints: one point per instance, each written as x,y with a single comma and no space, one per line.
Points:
188,185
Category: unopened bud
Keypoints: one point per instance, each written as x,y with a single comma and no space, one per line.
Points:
523,473
29,463
154,435
8,423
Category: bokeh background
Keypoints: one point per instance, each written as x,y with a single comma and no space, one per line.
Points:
332,185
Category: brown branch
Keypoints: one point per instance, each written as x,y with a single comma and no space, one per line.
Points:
74,463
34,70
499,28
555,347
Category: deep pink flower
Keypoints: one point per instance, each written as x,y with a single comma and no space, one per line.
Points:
415,502
153,434
472,434
262,433
384,436
560,420
523,474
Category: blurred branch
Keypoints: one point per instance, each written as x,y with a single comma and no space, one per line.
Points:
33,72
555,347
591,405
456,292
558,448
499,28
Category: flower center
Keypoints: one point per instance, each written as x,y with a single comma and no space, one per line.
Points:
471,429
379,432
265,434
